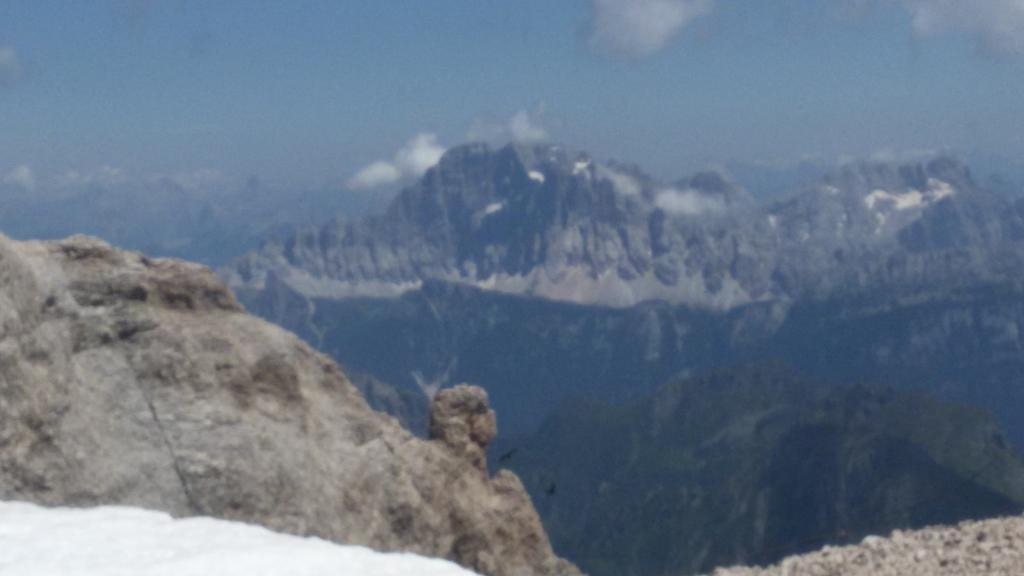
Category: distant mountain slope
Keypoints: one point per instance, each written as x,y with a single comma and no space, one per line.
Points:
528,353
754,464
544,221
962,344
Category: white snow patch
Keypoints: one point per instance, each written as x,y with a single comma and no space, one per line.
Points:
493,208
940,189
937,190
773,221
905,201
829,190
115,541
581,167
537,176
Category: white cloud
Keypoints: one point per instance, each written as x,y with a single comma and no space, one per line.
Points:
418,155
376,174
997,25
525,126
22,177
637,28
623,184
687,202
10,66
102,176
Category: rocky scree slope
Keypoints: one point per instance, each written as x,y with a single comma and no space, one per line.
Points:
989,548
125,380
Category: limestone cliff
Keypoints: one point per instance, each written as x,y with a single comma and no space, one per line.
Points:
126,380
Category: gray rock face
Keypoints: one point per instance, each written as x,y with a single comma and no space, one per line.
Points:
125,380
462,419
545,222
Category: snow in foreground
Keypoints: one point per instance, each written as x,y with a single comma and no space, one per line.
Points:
110,541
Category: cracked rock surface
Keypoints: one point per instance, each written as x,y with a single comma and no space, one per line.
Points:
988,548
125,380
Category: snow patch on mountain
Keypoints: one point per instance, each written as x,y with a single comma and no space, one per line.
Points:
120,541
905,201
937,190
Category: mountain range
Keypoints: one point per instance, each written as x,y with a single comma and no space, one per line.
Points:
606,314
959,344
905,275
543,221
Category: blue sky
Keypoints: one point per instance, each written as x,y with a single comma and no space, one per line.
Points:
307,93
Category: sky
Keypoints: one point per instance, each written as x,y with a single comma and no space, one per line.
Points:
361,94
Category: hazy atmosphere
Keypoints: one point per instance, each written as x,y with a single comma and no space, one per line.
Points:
307,93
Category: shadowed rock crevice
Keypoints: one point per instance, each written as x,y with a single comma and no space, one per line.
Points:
170,449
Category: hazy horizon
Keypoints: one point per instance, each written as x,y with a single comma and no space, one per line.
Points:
359,95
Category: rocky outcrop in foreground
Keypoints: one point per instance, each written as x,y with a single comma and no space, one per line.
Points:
130,381
990,548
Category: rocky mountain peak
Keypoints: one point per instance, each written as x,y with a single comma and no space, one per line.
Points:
712,181
864,177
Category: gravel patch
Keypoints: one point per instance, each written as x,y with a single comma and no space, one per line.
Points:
987,548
